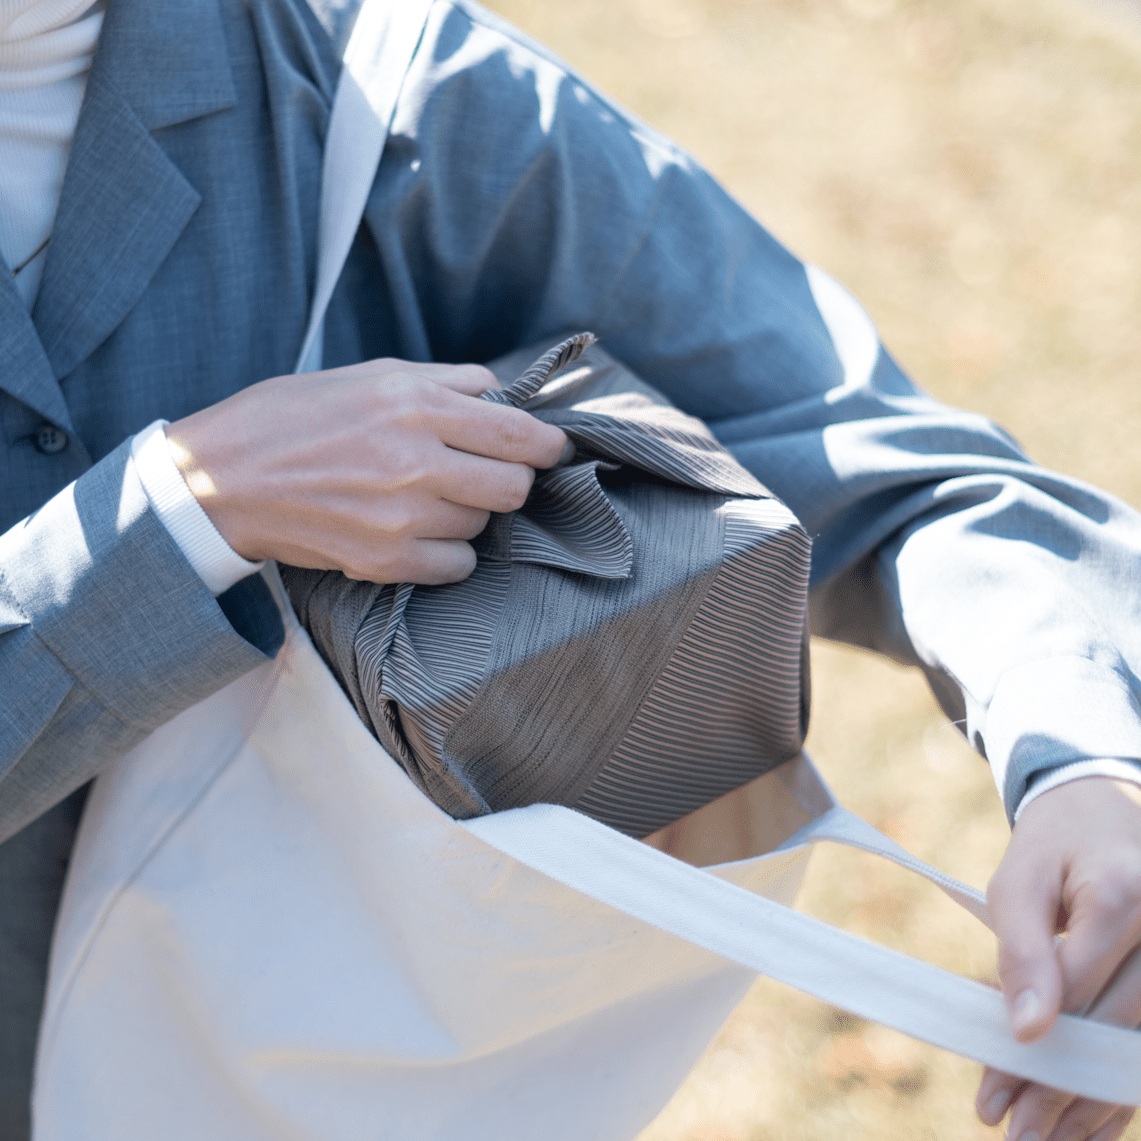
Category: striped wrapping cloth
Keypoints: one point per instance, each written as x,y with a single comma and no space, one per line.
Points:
631,643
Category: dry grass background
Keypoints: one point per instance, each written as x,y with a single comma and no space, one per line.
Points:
971,169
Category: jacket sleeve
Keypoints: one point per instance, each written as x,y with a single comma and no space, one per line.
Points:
106,632
514,203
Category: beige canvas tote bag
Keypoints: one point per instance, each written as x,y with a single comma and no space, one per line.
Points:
269,932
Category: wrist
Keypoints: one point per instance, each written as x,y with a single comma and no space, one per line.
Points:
195,448
203,545
1125,774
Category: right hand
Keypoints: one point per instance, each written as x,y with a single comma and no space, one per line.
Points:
1073,865
382,470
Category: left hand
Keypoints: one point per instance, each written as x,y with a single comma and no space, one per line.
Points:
1073,866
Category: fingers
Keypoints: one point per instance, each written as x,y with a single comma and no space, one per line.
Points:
500,432
1114,1127
1085,1119
438,398
1055,867
1023,905
1104,928
1052,1114
428,547
1060,871
467,379
426,562
997,1092
487,485
440,519
1041,1114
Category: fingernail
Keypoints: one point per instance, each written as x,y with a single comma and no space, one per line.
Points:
1026,1010
1030,1137
568,454
996,1107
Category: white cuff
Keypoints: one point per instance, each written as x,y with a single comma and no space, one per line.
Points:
215,561
1096,767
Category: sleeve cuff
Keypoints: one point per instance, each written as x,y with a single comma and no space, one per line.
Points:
108,592
1055,713
1099,767
213,559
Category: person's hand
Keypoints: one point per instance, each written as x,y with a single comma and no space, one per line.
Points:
1073,866
383,470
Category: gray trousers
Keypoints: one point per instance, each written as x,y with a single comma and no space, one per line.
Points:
33,864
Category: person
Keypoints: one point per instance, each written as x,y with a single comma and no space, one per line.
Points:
159,173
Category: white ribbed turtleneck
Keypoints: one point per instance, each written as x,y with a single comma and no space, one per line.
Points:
46,48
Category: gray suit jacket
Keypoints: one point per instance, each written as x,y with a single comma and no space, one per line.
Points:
512,203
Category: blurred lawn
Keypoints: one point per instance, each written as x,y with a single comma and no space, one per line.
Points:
970,169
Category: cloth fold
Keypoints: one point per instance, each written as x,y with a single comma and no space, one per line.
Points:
631,643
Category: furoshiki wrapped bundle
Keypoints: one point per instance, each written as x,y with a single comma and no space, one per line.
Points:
631,643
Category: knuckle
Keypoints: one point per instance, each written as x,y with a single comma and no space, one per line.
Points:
477,376
449,562
516,487
397,521
1054,1100
1117,891
414,399
417,398
362,571
345,557
407,467
1015,969
1040,1106
1021,967
1083,1118
368,563
513,431
393,568
418,473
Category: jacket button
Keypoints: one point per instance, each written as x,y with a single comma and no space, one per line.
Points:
49,440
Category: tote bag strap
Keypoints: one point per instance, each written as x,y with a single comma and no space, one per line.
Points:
1086,1058
383,42
844,827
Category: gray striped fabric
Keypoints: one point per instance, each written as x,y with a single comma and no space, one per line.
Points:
631,643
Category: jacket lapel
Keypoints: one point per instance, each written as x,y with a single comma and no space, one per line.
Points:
124,202
24,369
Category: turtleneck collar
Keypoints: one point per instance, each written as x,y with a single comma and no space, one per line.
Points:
46,41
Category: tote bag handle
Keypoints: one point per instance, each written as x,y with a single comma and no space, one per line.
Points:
1086,1058
383,42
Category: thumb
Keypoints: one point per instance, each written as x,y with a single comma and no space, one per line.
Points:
1023,902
